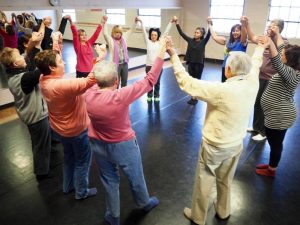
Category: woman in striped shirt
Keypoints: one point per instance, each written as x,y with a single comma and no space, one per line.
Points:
277,101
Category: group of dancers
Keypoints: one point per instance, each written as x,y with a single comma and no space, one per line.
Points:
90,113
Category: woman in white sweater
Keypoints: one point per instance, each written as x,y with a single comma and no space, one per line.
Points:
152,44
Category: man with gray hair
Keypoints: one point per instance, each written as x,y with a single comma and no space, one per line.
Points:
112,138
265,74
228,109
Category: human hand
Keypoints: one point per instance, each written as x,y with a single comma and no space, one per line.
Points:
209,20
244,20
264,41
175,19
101,51
57,36
104,19
37,36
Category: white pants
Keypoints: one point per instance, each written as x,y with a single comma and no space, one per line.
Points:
215,166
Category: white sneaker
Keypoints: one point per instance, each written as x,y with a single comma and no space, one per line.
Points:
258,137
250,129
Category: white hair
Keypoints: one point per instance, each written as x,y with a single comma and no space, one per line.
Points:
239,63
105,73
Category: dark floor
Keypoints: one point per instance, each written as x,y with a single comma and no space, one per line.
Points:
169,135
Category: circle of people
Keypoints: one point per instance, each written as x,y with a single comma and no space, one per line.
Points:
90,113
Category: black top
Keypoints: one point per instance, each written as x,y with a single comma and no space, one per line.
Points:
195,52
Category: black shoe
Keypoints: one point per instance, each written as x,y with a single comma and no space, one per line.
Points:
219,218
43,177
192,101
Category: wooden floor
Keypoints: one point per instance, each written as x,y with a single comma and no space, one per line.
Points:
169,135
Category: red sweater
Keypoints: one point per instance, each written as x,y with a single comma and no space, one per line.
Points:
10,40
84,52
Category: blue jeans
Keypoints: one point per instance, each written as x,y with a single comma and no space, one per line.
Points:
127,156
77,160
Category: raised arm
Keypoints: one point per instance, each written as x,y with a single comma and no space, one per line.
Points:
27,31
95,35
168,28
182,34
130,93
204,90
63,24
245,23
107,36
219,39
145,35
243,33
127,34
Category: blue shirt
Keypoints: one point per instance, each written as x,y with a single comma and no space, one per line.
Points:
234,46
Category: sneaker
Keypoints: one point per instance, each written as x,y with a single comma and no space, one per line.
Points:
192,101
149,99
262,166
111,220
220,218
187,212
250,129
90,193
153,202
43,177
156,99
259,137
266,172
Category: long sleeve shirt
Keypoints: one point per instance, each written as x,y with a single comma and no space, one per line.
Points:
228,104
109,109
153,47
277,100
10,41
64,97
110,42
84,52
195,52
28,99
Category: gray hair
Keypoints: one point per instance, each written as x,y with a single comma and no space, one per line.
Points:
239,63
279,23
105,73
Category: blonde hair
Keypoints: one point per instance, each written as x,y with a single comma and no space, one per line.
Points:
116,29
6,56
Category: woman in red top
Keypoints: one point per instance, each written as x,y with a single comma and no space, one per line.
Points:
84,49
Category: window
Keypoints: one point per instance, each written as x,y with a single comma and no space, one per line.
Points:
225,14
116,16
289,11
70,12
150,17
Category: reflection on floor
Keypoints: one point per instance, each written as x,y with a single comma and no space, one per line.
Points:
169,134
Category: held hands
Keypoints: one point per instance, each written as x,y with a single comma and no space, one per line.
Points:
101,51
175,19
169,46
138,19
104,19
244,20
264,41
37,36
57,36
209,21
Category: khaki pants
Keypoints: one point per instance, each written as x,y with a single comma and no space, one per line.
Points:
215,166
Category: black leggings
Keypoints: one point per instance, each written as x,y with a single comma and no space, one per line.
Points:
195,70
275,139
81,74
